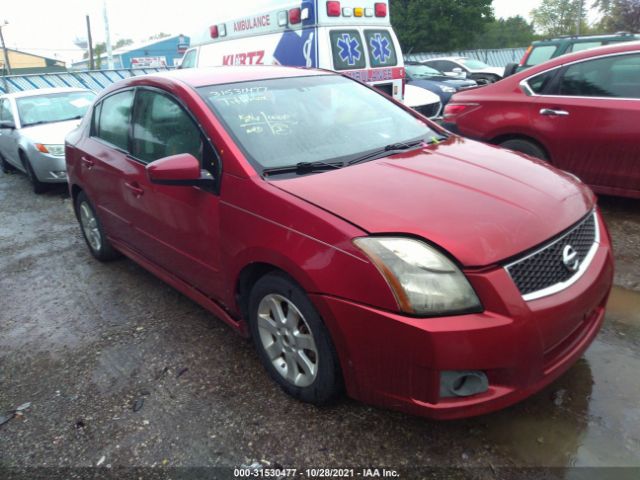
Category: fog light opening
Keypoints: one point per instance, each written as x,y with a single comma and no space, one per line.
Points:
463,383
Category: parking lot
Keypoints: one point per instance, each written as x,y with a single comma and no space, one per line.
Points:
121,370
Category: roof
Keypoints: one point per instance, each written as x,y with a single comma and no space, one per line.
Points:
201,77
43,91
581,55
142,45
22,52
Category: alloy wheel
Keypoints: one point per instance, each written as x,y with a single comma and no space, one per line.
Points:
287,340
90,226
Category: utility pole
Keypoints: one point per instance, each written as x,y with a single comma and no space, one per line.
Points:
91,64
7,65
107,38
579,22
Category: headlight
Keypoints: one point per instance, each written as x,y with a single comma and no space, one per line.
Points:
57,150
423,280
447,89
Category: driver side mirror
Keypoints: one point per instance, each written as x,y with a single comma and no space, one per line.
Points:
182,169
458,72
10,124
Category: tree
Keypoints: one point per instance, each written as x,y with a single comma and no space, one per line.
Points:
619,15
559,17
511,32
159,36
100,48
439,25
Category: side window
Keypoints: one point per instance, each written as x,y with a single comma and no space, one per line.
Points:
578,47
115,112
541,83
540,54
382,53
161,128
5,110
446,66
613,77
189,60
347,49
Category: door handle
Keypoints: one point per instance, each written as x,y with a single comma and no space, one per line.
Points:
87,162
553,113
135,188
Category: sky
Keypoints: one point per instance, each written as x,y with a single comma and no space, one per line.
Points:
49,27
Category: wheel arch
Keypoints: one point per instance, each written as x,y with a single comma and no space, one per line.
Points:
497,140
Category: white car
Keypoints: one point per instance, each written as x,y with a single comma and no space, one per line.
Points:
466,67
33,125
423,101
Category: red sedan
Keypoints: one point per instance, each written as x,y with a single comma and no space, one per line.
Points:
581,112
359,245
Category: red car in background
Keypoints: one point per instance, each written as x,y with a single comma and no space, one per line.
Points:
580,112
357,243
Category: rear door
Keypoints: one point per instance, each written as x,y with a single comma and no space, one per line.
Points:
8,136
589,116
176,227
103,165
369,55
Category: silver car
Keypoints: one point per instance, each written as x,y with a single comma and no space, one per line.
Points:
33,125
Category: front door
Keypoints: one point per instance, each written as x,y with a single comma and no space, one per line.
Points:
176,227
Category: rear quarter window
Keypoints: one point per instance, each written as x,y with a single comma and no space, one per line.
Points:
347,50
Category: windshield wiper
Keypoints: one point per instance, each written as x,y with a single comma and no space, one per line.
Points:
397,147
77,117
39,122
302,168
386,150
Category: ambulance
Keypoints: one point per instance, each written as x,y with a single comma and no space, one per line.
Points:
353,37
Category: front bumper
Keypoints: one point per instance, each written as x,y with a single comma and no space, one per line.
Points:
48,168
395,361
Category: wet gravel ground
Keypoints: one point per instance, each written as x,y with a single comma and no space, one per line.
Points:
123,371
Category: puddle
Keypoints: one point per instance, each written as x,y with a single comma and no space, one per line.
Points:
591,415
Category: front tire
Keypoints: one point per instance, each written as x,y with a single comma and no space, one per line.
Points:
92,230
37,186
292,341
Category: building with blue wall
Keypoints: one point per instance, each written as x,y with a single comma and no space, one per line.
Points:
165,52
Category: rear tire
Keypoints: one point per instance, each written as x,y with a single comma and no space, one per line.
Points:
525,146
292,341
37,186
92,230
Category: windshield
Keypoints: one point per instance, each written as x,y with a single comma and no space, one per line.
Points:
422,71
282,122
474,64
53,107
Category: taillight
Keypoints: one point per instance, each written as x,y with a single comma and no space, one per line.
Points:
213,31
381,9
295,16
525,57
333,9
453,110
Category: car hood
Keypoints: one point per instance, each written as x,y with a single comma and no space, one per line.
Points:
50,133
481,203
416,96
495,70
439,80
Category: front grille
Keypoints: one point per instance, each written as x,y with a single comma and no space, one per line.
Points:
544,271
429,111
